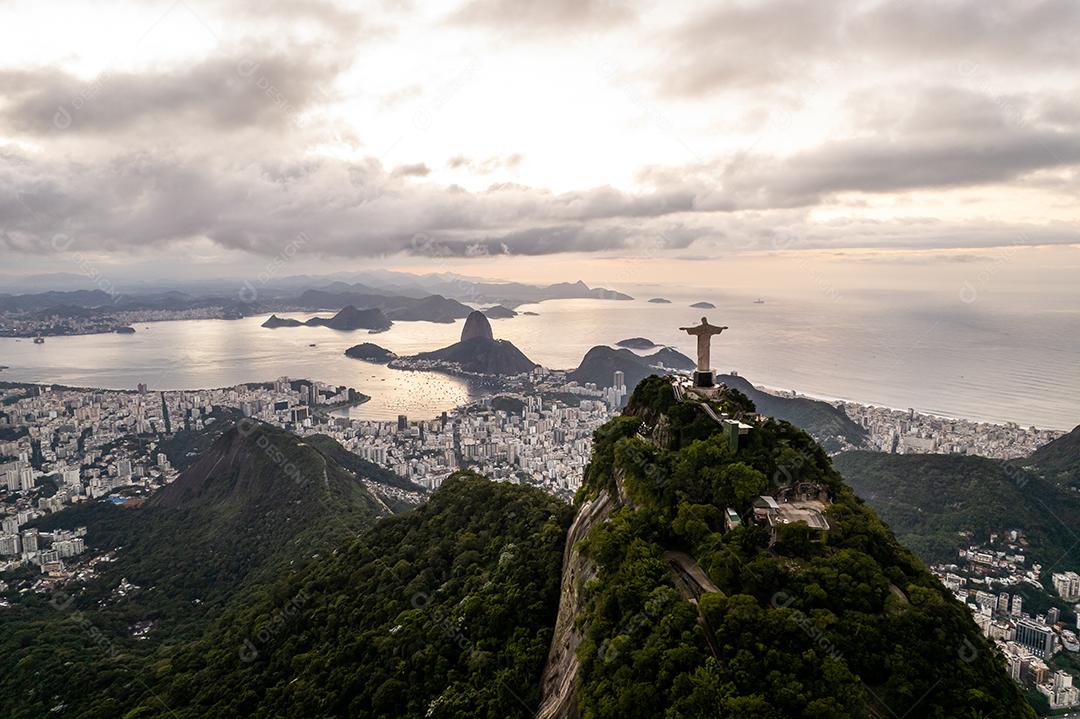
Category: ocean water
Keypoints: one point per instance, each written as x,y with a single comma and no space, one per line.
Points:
981,363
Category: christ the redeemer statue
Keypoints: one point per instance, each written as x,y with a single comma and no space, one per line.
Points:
704,332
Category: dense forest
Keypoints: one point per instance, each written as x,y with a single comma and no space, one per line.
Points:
258,503
852,626
829,425
930,499
1057,462
276,584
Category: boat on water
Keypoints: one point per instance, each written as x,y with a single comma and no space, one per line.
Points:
759,301
39,340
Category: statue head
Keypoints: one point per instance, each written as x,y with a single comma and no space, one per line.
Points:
704,321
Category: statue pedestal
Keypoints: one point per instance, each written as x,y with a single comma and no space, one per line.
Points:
703,378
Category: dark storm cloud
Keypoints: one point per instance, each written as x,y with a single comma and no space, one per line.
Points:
350,209
785,42
223,93
213,150
258,202
907,140
876,166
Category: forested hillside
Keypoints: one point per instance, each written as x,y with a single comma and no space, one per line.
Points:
853,626
270,590
256,504
1057,461
929,499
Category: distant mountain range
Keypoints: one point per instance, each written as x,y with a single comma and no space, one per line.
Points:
89,303
432,308
399,296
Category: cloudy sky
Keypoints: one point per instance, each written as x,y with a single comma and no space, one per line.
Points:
201,137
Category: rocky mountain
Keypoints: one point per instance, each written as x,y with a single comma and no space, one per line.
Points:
476,327
479,352
831,427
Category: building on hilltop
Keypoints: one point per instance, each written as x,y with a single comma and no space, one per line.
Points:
773,514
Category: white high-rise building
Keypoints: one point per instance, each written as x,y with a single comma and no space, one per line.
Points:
26,479
1067,584
10,545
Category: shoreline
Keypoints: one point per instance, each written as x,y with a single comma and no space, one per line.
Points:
787,393
481,380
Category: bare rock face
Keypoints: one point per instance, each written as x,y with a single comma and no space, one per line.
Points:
559,682
476,325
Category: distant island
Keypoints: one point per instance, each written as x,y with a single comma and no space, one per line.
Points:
704,306
349,318
637,343
273,322
370,352
660,301
498,312
531,314
125,330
